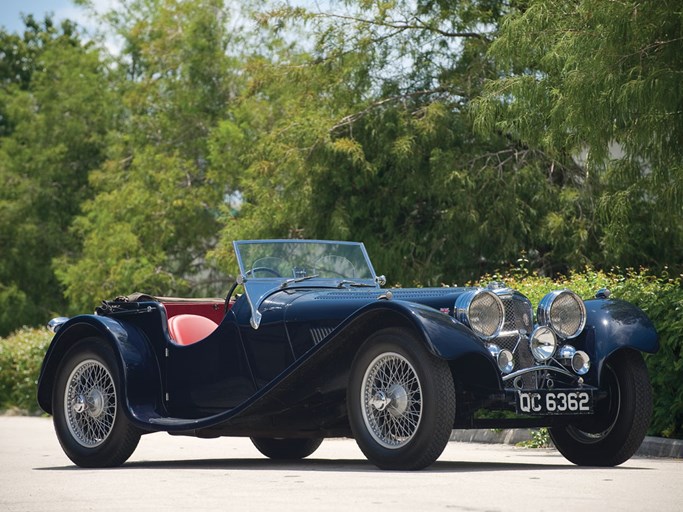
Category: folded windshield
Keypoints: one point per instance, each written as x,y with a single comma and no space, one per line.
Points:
296,259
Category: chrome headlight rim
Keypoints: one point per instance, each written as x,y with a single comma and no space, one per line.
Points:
581,362
463,309
545,313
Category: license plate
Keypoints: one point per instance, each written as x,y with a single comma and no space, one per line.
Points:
545,402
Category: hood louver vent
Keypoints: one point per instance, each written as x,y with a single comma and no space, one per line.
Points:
320,333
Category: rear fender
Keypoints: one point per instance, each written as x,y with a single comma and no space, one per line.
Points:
139,369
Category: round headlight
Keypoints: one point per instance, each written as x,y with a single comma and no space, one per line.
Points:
482,311
542,343
564,311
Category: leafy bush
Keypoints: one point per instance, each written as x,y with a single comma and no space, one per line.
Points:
21,355
540,438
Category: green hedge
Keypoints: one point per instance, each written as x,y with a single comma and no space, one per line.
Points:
660,297
21,355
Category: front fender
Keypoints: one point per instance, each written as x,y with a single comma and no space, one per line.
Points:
442,335
138,366
613,325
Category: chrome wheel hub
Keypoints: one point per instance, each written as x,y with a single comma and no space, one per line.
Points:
90,403
395,399
391,397
80,404
399,400
380,401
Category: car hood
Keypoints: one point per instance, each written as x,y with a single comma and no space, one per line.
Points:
337,304
311,314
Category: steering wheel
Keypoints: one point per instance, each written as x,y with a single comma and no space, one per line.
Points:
264,269
324,271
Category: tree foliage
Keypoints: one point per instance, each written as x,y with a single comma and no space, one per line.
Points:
55,111
453,138
367,135
601,80
154,214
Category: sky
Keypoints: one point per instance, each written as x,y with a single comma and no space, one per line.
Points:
11,10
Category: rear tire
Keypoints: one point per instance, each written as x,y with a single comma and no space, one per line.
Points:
286,449
88,415
618,428
401,401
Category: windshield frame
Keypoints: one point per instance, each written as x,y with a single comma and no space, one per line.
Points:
258,288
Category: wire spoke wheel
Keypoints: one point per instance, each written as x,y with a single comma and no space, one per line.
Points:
400,401
90,403
89,418
392,400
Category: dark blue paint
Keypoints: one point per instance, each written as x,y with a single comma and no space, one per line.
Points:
280,378
614,325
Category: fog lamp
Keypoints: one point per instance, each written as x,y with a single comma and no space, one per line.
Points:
581,362
505,360
542,343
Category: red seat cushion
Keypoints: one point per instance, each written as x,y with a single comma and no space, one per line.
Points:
188,329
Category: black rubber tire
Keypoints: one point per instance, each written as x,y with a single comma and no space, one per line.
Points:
286,449
619,426
121,436
436,401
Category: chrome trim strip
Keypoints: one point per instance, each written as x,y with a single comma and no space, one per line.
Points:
537,368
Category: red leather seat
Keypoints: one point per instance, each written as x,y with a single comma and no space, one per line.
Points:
189,329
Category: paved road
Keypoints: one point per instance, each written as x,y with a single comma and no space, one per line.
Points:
176,473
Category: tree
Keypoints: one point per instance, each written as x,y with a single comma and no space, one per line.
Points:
366,134
154,214
601,80
55,110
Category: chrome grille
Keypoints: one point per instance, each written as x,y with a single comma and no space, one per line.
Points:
519,315
519,319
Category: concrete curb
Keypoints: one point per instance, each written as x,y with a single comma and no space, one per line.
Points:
651,447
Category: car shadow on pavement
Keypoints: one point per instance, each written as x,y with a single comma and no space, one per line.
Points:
336,465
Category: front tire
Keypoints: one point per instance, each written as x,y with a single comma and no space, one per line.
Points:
401,401
87,407
619,426
286,449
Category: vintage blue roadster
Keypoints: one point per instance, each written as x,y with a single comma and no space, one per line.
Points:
314,347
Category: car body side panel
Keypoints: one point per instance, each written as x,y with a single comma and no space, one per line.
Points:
308,395
316,382
267,348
